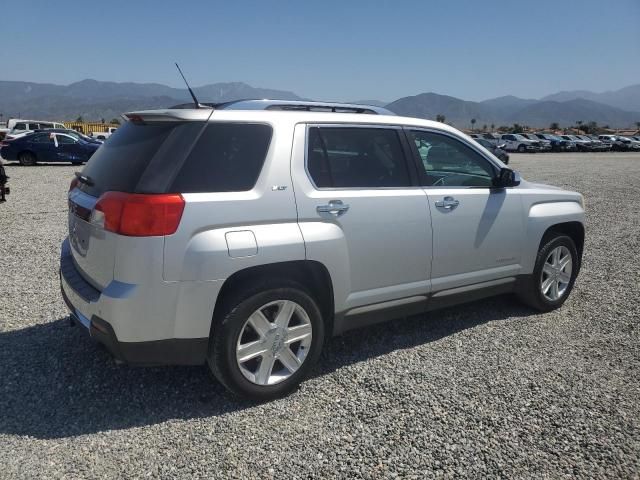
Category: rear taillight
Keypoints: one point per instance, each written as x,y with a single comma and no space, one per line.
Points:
139,215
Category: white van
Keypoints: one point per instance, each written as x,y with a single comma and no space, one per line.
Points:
18,125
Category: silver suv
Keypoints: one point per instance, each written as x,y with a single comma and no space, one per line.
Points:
245,234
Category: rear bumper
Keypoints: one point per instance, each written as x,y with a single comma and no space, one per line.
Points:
85,303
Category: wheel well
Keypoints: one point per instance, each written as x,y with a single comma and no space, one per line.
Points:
312,275
26,151
574,230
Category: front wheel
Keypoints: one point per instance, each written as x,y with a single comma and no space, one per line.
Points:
266,341
521,148
555,272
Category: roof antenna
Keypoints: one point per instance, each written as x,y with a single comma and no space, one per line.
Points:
195,100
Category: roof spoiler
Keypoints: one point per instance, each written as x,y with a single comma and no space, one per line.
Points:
154,116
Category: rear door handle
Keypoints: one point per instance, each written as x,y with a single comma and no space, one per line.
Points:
334,207
447,203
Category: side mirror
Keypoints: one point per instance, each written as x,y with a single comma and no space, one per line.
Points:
507,178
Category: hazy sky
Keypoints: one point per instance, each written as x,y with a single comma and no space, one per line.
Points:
330,50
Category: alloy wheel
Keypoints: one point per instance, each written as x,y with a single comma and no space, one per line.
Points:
274,342
556,273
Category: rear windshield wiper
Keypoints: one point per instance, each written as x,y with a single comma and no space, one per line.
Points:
84,179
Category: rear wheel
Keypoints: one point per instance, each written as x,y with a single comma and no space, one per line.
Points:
266,340
521,148
555,272
27,159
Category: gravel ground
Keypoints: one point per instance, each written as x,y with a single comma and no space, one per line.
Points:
490,389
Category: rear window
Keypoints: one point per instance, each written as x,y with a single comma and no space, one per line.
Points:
119,163
150,158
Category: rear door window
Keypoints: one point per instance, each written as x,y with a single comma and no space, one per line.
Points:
356,157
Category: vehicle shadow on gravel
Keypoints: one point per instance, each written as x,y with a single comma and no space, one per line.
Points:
55,382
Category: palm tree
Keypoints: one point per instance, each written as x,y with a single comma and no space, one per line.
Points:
493,127
554,126
637,123
473,122
440,118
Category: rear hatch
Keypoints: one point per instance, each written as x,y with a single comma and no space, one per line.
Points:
141,157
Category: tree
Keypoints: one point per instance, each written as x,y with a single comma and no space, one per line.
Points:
590,128
115,120
517,128
80,119
484,127
440,118
493,127
473,122
554,126
102,121
637,124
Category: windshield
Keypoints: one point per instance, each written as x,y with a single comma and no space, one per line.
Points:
519,137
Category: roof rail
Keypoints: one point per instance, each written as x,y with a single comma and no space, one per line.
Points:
294,105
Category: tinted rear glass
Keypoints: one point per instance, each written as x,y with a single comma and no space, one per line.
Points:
150,158
120,162
228,157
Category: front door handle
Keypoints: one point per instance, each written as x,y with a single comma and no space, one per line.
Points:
447,203
334,207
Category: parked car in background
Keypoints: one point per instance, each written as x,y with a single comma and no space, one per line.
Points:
514,142
629,144
636,138
47,147
491,137
545,145
595,144
74,134
611,140
497,150
17,134
557,144
581,145
620,143
17,125
105,134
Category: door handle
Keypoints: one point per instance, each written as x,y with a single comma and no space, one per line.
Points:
334,207
447,203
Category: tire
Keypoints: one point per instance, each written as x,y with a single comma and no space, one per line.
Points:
530,290
232,328
521,148
27,159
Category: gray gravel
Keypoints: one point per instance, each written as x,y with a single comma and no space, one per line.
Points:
490,389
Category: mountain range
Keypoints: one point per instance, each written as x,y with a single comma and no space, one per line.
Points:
94,100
